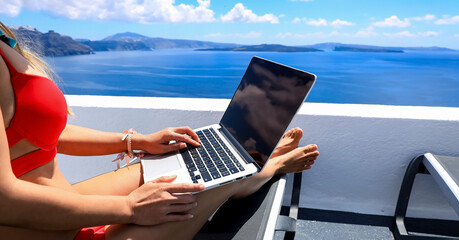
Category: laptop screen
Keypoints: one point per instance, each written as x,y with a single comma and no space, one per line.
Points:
264,104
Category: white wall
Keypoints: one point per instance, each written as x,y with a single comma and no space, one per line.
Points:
364,149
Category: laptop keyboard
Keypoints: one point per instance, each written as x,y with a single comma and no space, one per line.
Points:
211,160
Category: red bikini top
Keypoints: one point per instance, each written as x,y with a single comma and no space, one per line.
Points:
40,117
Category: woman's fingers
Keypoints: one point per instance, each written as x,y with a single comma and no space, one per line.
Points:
160,201
188,131
164,179
184,134
173,147
181,208
184,188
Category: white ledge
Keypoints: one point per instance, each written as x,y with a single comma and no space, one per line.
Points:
327,109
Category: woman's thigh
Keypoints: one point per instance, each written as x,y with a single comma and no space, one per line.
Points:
208,202
21,233
125,180
119,182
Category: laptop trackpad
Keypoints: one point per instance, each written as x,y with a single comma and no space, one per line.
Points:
157,166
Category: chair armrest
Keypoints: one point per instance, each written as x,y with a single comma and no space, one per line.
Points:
253,217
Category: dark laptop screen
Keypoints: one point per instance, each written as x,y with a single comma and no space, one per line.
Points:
265,102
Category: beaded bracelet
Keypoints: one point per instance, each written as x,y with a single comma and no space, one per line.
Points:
128,136
129,153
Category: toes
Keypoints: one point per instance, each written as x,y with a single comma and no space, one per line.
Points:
298,132
294,133
309,148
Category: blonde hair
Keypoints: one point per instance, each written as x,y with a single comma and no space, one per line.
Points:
33,58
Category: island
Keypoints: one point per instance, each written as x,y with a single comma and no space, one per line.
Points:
360,49
129,41
264,48
50,43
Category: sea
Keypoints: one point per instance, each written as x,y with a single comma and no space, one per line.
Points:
418,78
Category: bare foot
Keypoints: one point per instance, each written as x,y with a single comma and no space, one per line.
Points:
297,160
286,158
289,141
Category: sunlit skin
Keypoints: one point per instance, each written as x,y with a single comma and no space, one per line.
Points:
41,204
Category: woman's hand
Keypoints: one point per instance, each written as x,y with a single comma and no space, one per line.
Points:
160,142
161,201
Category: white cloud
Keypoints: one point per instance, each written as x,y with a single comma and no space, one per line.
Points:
341,23
427,17
10,8
320,22
448,20
287,35
152,11
410,34
400,34
393,21
428,34
296,20
252,34
317,22
456,35
239,13
334,33
249,35
366,32
216,35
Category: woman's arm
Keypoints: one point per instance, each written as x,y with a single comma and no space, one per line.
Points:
29,205
81,141
24,204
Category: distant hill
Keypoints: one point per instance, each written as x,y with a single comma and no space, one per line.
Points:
127,36
133,41
55,44
264,48
50,43
331,46
112,45
360,49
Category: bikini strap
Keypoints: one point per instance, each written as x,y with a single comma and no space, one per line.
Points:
10,41
10,66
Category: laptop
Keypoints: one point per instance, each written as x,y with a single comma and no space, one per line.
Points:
267,98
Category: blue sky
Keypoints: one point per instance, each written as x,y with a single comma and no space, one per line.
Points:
289,22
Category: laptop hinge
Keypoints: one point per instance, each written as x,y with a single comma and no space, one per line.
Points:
245,156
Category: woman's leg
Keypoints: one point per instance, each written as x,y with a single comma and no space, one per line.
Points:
12,233
123,181
286,158
209,201
119,182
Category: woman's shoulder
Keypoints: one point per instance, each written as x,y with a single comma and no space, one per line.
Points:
18,62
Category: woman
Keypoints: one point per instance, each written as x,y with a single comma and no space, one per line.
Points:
37,202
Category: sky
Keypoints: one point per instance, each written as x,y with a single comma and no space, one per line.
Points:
288,22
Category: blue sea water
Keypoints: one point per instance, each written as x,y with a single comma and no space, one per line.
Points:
410,78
